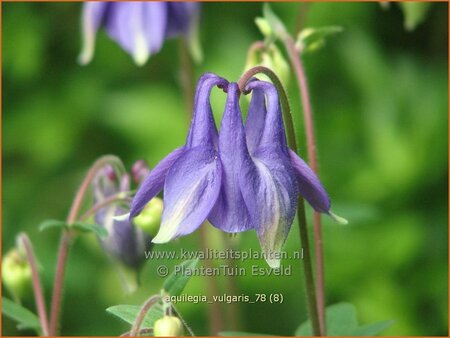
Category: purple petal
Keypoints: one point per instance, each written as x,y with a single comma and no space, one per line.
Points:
309,185
190,191
273,133
272,200
230,213
203,129
181,16
92,17
154,182
256,117
94,13
155,23
124,241
272,196
139,27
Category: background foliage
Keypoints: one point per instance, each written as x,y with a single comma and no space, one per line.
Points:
380,100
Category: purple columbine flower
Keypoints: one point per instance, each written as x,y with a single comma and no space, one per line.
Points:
140,28
190,175
243,178
125,242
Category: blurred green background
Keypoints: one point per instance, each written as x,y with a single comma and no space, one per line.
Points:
379,95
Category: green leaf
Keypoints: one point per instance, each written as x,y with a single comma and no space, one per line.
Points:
239,334
341,321
52,223
175,283
312,39
128,313
372,329
25,318
95,228
414,13
83,227
304,329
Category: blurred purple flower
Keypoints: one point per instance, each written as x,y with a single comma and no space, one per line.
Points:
125,242
243,178
140,28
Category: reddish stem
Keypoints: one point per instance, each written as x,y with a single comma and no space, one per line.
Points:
38,294
142,313
64,247
292,142
106,202
67,236
312,156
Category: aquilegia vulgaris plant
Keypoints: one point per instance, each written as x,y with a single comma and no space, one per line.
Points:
241,178
140,28
240,174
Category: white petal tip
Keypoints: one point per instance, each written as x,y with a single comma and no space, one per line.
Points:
141,52
273,263
338,219
164,235
140,59
160,239
84,58
122,217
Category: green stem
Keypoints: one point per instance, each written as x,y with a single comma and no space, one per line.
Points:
287,115
312,157
292,142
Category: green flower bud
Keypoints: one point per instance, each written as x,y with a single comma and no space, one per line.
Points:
264,27
149,219
16,274
272,58
168,326
275,60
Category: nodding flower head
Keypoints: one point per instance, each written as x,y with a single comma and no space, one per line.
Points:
140,28
125,242
190,175
242,177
